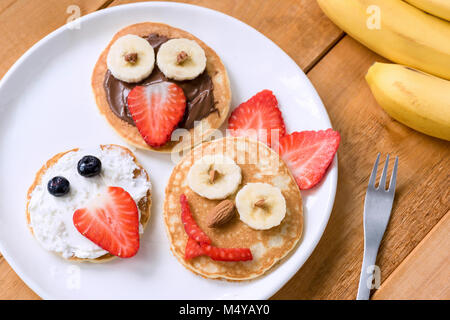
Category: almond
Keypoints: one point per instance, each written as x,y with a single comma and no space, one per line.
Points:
260,203
182,57
212,176
221,214
131,57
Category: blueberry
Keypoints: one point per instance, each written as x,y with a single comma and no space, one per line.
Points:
89,166
58,186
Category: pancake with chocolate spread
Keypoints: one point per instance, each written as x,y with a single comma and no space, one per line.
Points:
207,96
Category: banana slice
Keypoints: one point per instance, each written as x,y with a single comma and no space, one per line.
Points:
214,177
260,205
181,59
131,58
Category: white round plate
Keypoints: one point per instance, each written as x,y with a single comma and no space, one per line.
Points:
47,106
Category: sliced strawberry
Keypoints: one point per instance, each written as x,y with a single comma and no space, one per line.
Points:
308,154
111,221
156,110
190,226
193,249
227,254
258,118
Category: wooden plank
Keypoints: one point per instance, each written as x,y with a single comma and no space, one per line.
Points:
425,273
24,22
11,286
422,196
6,4
299,27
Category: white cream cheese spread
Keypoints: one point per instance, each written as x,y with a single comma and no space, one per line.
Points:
51,217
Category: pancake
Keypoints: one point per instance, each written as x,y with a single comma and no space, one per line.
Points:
214,67
144,204
258,163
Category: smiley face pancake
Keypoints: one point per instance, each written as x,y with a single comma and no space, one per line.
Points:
90,204
232,209
152,79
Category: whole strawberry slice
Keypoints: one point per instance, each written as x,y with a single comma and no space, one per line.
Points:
308,154
190,226
156,110
259,118
111,221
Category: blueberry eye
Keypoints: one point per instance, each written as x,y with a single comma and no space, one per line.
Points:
89,166
58,186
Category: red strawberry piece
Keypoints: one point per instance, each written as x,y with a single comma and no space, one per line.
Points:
156,110
258,118
111,221
190,226
227,254
308,154
193,249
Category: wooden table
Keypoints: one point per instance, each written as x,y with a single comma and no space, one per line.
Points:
414,255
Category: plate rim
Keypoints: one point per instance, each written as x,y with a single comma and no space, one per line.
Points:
332,172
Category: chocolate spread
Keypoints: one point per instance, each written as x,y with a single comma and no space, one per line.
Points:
199,91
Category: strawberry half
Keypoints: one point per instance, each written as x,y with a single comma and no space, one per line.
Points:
111,221
156,110
259,118
190,226
308,154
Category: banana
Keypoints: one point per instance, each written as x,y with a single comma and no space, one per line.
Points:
260,205
131,58
214,177
181,59
419,100
438,8
395,30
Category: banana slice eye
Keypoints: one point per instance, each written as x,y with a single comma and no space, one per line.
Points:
181,59
260,205
214,177
131,58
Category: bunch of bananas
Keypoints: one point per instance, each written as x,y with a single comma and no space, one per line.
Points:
416,35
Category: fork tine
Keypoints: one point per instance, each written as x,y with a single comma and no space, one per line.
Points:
393,176
373,176
384,174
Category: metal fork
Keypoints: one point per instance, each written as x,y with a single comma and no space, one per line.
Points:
377,211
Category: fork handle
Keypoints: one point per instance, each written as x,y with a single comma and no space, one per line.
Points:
370,257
